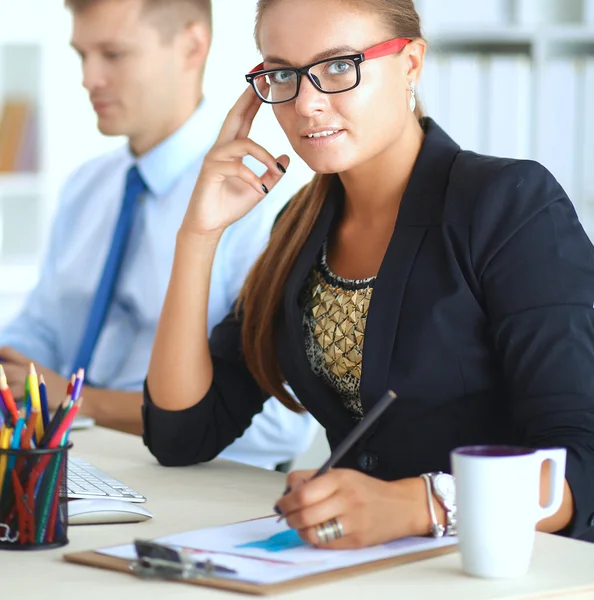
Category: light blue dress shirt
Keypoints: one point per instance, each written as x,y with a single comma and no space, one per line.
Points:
50,326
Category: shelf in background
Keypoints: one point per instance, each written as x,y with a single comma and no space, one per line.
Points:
21,184
483,34
506,36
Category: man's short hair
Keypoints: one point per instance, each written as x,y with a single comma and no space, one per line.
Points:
172,15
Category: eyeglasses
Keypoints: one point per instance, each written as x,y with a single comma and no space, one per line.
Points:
330,76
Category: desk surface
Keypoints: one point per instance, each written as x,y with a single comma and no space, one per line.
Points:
223,492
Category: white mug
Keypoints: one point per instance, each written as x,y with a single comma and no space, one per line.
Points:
498,505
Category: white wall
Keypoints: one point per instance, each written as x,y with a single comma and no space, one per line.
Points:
69,134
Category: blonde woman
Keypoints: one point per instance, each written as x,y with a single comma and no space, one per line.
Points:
463,282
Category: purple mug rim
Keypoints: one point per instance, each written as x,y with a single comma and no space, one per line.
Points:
494,451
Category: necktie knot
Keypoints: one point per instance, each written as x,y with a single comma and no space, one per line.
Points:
135,184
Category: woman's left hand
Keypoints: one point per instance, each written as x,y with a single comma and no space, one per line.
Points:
370,511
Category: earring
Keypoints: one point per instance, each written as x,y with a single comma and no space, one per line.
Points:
413,97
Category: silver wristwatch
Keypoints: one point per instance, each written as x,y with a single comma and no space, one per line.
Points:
443,486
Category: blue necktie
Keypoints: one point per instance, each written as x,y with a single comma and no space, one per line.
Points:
135,186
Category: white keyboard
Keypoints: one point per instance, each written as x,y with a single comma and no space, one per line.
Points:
87,481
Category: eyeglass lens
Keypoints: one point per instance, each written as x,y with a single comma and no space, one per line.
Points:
330,76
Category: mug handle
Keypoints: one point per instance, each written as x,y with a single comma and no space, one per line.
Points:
557,456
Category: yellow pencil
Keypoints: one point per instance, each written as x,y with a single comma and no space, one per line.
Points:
35,399
5,438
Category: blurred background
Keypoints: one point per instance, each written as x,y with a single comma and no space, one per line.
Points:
507,77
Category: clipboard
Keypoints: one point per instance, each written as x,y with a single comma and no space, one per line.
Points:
161,561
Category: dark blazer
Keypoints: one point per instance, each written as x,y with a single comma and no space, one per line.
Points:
481,320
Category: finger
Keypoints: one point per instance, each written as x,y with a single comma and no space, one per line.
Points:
296,478
309,493
226,169
274,175
349,537
246,147
240,117
253,110
318,513
9,354
15,377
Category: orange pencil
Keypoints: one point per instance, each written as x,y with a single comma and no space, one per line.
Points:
27,439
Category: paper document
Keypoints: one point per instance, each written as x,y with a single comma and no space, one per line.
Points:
264,551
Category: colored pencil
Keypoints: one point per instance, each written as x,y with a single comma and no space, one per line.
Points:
7,396
35,400
44,403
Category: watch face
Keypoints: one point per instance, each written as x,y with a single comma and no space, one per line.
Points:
445,486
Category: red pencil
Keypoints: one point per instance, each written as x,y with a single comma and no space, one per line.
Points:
51,526
70,385
7,396
64,426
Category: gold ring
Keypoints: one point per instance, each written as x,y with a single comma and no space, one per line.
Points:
329,531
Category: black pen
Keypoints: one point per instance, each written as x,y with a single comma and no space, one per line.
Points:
353,437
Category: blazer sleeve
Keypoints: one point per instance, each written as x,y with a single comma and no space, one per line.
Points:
199,433
535,265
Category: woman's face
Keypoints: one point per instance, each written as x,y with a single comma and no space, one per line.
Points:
370,119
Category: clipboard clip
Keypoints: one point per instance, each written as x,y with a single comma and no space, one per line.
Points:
157,561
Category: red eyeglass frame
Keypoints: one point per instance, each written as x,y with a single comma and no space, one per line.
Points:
393,46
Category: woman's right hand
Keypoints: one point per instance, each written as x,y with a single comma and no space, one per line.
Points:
226,189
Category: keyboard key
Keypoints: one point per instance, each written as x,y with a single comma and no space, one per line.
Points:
87,481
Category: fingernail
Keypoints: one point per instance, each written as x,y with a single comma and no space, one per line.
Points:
286,491
281,168
264,189
277,510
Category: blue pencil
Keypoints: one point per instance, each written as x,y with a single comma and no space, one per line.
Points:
3,410
78,383
43,401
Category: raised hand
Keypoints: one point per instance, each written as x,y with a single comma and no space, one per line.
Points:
226,189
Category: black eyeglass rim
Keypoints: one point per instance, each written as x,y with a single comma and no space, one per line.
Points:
301,71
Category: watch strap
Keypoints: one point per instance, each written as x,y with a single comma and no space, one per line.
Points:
451,527
437,529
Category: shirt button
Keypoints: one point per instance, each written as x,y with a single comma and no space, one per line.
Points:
591,521
368,461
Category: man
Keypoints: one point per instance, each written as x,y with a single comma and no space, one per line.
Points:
104,278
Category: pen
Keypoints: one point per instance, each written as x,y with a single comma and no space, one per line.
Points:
354,436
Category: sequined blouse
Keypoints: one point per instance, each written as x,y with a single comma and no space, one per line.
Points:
334,318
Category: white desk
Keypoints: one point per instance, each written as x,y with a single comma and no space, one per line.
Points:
223,492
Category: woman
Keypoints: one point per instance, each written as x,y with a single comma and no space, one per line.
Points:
467,279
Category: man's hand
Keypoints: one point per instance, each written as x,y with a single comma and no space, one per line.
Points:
16,367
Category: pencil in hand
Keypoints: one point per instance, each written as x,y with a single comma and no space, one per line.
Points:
353,437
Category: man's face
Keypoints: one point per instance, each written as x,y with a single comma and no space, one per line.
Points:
134,77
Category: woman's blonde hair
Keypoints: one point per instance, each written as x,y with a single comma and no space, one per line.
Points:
262,293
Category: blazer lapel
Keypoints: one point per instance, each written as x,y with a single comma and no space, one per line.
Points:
323,402
420,208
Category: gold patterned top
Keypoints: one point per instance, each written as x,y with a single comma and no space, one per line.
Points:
334,319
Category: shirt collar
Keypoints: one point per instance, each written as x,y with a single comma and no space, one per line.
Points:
162,166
